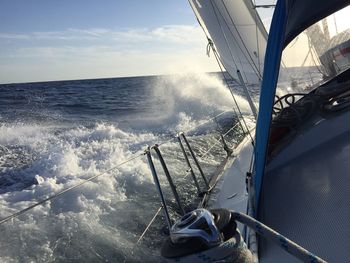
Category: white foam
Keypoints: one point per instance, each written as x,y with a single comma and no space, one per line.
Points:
200,94
185,100
64,161
101,213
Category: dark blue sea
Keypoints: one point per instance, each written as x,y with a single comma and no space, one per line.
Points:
54,135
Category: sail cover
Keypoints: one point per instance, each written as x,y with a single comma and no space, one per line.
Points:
238,34
291,17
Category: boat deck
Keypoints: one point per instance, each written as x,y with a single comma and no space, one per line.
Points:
306,194
230,192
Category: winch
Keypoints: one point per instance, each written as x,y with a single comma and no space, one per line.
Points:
206,236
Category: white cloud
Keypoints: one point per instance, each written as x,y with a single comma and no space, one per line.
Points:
175,34
98,62
170,33
179,34
98,52
14,36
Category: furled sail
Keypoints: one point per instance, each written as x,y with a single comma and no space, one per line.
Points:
238,34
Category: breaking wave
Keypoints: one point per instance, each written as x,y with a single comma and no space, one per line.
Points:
92,223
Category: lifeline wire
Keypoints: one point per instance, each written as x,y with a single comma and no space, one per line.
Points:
199,125
160,208
217,142
15,215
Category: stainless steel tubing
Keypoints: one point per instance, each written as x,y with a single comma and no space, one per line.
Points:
156,181
170,180
189,165
195,159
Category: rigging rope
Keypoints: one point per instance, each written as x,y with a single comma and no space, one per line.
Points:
211,45
268,233
228,46
257,37
314,60
233,96
252,64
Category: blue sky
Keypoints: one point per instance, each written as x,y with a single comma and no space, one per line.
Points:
44,40
47,15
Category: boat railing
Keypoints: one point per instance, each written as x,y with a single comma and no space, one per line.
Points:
203,193
209,184
182,135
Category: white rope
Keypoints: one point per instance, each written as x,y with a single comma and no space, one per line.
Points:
144,232
149,225
257,36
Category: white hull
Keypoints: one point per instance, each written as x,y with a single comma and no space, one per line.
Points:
230,192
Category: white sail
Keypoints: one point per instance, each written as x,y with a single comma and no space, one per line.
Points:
238,34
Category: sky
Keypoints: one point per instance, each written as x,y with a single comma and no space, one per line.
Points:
44,40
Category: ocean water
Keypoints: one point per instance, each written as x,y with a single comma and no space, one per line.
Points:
54,135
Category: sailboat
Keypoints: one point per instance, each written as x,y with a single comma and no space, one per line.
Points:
283,195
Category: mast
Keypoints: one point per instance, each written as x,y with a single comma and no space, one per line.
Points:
326,30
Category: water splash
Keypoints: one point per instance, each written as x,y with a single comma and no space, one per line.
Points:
93,223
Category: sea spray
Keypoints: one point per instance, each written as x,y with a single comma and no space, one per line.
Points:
83,128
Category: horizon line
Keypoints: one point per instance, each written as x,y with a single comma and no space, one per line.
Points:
101,78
